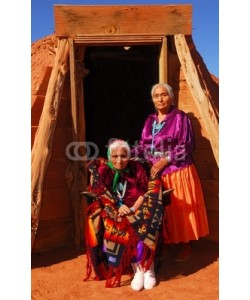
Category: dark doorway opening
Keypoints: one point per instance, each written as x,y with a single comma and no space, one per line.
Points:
117,92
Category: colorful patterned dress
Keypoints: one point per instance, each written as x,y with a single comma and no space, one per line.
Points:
114,242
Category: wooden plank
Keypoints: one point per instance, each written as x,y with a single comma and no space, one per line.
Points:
210,172
201,141
41,87
116,40
187,104
42,148
74,112
213,221
106,20
207,112
55,177
54,234
204,157
211,194
163,61
81,73
56,204
62,138
33,134
64,116
36,110
209,81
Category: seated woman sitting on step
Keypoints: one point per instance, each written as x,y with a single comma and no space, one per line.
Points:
124,218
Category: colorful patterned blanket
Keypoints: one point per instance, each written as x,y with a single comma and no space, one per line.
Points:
112,240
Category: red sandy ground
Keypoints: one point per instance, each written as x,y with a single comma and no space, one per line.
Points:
59,275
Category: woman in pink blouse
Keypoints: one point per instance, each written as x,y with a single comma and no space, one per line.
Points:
167,142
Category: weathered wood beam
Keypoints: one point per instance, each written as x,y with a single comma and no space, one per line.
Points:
81,73
163,61
207,112
74,112
106,20
118,39
77,73
42,147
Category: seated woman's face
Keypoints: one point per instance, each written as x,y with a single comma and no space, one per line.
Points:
119,158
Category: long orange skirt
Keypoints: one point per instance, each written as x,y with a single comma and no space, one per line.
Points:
186,217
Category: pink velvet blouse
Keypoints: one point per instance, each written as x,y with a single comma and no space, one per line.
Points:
173,139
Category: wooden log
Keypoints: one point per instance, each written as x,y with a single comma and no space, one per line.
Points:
119,40
107,20
213,217
53,234
59,208
36,110
207,112
81,73
163,61
74,112
77,73
55,176
42,147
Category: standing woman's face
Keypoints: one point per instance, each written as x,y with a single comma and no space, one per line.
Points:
119,158
161,99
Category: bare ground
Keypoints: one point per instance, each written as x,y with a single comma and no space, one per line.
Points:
59,275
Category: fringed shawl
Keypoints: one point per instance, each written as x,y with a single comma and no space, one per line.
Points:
119,236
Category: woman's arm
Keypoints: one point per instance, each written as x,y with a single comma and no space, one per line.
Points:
137,204
125,210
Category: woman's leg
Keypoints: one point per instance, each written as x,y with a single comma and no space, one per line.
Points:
149,278
138,281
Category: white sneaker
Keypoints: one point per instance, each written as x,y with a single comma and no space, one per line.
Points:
149,278
138,281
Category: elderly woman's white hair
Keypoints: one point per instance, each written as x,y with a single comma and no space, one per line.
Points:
167,87
118,143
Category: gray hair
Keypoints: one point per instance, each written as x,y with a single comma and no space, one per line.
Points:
167,87
117,143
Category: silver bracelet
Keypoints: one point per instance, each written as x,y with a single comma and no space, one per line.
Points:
168,158
132,209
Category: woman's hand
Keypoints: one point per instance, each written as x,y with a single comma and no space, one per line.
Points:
158,166
123,210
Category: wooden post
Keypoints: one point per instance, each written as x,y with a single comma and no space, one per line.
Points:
42,147
81,73
75,133
77,73
163,61
207,112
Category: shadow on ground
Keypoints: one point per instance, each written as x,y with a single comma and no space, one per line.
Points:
204,253
48,258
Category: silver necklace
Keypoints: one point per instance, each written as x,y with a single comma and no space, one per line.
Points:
156,128
120,195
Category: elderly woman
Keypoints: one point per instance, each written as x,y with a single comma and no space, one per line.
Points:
167,142
122,227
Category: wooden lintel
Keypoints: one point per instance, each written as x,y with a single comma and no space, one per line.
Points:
207,112
116,40
109,20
